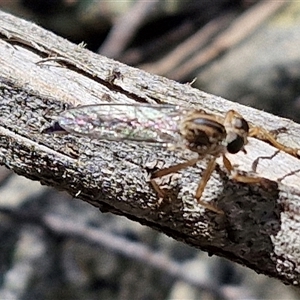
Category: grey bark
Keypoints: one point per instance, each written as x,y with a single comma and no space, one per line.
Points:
42,74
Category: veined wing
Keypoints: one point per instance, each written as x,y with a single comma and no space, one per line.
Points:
135,122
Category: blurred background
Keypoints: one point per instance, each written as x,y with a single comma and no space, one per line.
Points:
56,247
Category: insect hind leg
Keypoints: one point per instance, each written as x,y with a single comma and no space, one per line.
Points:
190,163
166,171
175,168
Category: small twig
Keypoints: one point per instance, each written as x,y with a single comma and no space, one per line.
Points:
134,56
174,59
116,244
132,250
242,27
126,27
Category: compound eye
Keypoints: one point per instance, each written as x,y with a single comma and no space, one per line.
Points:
236,144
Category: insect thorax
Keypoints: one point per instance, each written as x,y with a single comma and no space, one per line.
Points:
203,133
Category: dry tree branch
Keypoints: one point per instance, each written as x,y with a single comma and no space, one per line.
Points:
42,74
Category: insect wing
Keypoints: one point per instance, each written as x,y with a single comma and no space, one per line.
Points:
146,123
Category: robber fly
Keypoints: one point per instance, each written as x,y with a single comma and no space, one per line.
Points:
208,135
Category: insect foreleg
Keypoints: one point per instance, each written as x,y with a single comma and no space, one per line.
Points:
264,135
241,178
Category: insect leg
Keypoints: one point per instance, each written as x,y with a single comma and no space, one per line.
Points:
264,135
174,169
158,190
238,177
210,168
208,171
167,171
